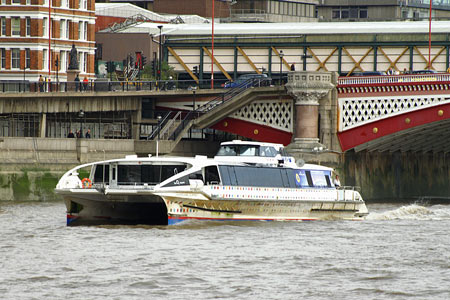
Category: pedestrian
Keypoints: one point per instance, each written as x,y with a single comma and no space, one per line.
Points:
293,67
79,134
88,134
77,84
85,83
41,83
70,135
337,182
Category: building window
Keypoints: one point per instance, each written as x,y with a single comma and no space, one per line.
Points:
80,30
16,1
44,59
67,29
3,25
27,58
62,27
63,3
28,2
363,13
28,26
85,62
62,60
15,26
3,59
85,32
84,4
79,4
44,26
15,58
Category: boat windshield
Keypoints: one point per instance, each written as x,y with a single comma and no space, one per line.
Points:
247,150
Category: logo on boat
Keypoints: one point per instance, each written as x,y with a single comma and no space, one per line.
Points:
297,177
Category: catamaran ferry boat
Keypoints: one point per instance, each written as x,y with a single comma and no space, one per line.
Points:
245,181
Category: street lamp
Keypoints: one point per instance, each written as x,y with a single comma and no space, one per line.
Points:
81,116
57,67
159,129
160,52
281,65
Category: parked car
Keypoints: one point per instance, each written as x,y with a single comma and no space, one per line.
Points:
247,80
368,73
423,72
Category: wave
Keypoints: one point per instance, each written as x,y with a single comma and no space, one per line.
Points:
413,212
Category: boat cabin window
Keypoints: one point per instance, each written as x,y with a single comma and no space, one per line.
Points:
267,151
151,174
212,175
274,177
320,178
247,150
99,175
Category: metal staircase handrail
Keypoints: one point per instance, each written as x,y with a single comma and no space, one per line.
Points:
161,124
231,94
170,124
216,102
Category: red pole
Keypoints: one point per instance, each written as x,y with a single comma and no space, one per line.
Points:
49,37
429,39
212,48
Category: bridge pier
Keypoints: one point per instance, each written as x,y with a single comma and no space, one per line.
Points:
307,89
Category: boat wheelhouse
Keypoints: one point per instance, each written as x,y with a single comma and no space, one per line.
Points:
168,190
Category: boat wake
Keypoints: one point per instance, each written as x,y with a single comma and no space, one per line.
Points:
413,212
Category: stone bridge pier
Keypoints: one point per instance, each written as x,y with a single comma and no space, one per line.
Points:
315,100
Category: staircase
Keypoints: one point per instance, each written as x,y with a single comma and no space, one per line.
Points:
175,127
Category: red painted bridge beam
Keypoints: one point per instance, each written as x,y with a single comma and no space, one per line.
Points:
374,130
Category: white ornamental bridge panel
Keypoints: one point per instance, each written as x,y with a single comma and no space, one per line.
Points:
359,111
275,113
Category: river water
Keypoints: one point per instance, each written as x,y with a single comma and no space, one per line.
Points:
402,251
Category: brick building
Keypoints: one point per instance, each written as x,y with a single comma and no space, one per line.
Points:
35,34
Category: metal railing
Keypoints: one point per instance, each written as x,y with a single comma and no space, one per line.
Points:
394,79
155,132
103,85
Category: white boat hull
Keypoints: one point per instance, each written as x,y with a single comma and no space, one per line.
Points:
263,210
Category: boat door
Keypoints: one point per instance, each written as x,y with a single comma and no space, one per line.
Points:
113,174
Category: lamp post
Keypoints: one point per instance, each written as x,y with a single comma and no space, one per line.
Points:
281,65
57,67
193,100
160,52
81,116
159,129
24,84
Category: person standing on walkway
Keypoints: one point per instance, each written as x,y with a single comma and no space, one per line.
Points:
85,83
77,84
41,83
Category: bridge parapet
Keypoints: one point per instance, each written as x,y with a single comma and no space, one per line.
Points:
392,79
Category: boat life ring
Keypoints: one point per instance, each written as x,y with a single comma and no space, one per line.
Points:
86,183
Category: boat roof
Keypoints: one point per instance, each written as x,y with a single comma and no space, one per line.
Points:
239,142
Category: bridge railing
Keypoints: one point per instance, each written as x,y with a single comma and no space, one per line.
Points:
393,79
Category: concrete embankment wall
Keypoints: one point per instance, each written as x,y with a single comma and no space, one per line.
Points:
31,167
398,176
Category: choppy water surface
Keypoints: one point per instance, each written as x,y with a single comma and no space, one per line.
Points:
400,252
